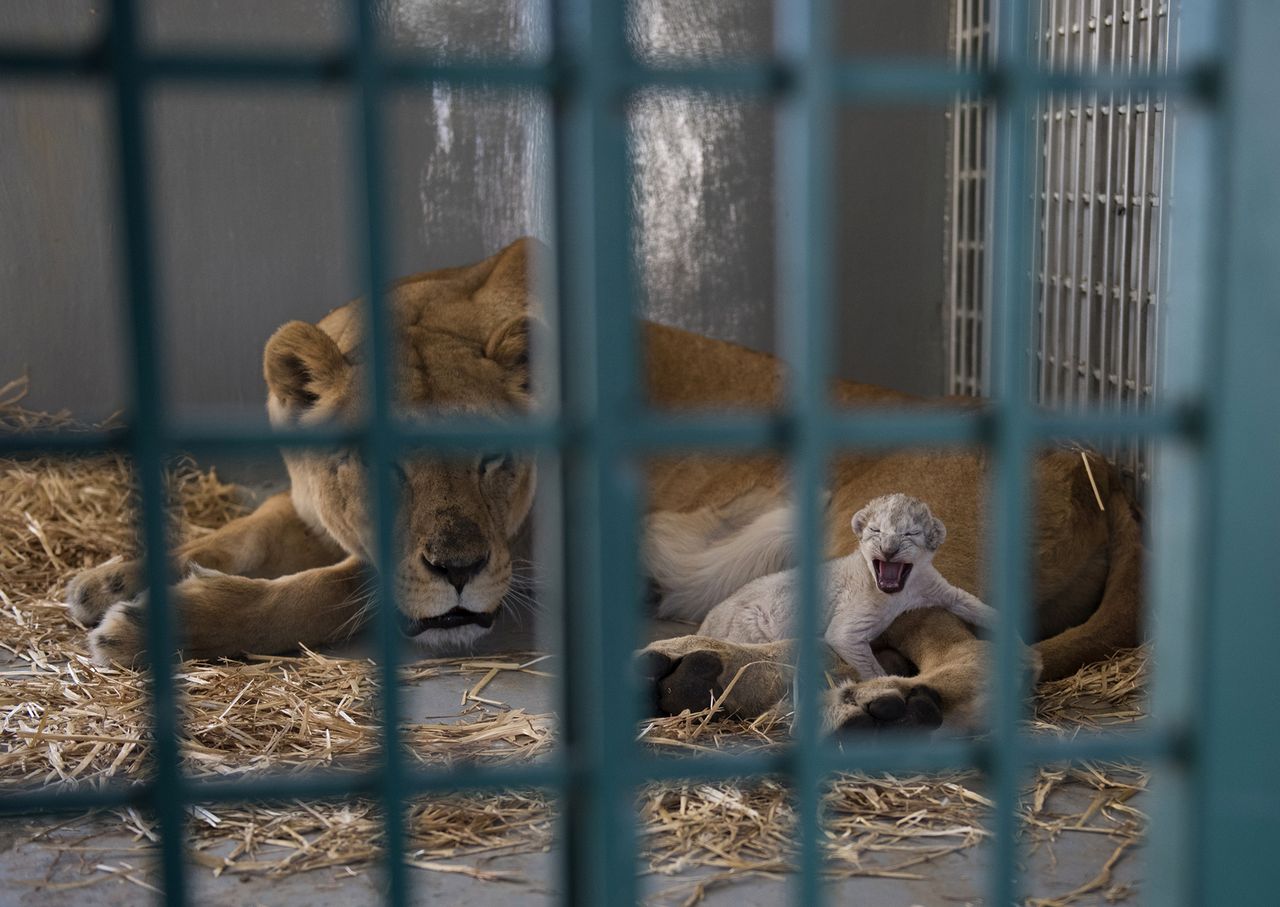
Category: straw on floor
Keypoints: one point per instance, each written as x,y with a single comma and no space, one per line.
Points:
64,721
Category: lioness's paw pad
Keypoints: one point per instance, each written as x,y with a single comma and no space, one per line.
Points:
118,639
92,592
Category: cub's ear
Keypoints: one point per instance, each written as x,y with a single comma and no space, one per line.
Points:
509,345
859,522
301,364
935,533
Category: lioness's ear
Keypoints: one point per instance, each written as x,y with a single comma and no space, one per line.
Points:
301,363
509,344
859,522
935,534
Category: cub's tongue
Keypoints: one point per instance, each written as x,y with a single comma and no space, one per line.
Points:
891,575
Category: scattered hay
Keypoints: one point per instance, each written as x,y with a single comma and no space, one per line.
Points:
65,722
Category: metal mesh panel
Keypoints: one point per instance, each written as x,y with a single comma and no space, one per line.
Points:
1101,180
968,221
1101,183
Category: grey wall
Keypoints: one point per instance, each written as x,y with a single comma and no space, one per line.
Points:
254,197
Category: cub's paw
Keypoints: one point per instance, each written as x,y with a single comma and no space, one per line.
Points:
883,703
92,592
691,672
120,637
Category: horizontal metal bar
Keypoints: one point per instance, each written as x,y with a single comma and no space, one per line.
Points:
1164,421
707,431
855,80
452,434
274,68
342,785
714,766
1147,745
876,429
650,434
898,754
53,443
79,799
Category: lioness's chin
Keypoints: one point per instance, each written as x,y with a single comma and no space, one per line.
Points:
452,639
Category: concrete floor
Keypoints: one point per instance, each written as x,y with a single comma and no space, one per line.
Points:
49,871
63,865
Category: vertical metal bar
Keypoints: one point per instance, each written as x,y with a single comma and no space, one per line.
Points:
1103,289
380,439
1044,158
1125,192
149,420
980,229
1141,189
1185,578
959,313
1009,519
1165,151
1084,292
1239,796
805,257
1070,367
1062,271
990,12
599,367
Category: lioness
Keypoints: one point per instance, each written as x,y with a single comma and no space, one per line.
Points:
295,571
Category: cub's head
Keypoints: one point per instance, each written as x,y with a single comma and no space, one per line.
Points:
461,347
897,533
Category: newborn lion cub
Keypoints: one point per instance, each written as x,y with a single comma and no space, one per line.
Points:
891,572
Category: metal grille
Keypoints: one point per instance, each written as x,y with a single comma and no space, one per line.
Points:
968,212
1102,185
602,425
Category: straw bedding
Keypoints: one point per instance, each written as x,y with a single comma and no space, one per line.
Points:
65,722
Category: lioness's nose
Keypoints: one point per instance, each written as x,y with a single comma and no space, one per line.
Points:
457,572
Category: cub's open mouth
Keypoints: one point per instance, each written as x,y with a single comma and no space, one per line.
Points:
891,576
454,617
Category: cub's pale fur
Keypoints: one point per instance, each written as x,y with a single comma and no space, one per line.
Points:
862,595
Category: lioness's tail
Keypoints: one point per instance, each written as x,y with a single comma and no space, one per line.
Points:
1116,624
699,559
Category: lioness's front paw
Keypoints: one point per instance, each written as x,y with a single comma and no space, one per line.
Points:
119,638
883,703
92,592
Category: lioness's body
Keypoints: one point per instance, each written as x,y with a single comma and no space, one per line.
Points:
293,572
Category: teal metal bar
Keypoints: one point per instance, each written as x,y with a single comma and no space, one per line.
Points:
862,80
1239,741
147,434
866,429
598,371
380,438
806,148
1009,520
591,76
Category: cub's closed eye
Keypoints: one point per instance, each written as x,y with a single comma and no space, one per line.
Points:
873,530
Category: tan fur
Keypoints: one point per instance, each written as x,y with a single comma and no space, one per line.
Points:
461,336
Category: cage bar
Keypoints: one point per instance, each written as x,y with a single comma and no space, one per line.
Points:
590,76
